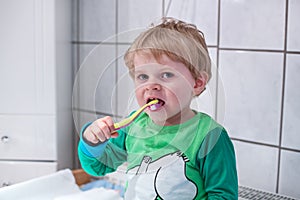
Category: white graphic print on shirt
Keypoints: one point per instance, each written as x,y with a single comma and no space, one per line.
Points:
163,178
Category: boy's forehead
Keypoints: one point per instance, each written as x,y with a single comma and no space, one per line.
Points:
142,58
148,58
150,67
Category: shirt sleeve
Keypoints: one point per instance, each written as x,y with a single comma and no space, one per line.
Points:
217,165
103,158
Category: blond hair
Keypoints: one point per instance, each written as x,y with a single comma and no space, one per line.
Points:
180,41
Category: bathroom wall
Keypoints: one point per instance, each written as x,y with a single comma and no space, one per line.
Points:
255,49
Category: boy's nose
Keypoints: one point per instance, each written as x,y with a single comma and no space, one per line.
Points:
153,86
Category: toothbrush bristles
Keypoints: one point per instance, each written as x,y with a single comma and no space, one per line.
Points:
154,106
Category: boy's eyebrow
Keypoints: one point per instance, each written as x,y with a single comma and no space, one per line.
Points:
138,70
161,68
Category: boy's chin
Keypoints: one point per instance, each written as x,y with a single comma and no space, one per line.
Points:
159,117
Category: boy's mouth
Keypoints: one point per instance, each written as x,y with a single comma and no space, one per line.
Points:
155,106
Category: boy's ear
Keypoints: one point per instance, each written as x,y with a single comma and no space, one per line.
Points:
200,83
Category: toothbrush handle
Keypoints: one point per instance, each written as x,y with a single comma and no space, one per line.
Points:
125,122
122,123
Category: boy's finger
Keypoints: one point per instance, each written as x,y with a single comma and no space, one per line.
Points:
91,137
110,123
114,134
97,131
101,137
105,130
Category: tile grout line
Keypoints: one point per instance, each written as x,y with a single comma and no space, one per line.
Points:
116,56
217,61
76,160
265,144
209,46
282,95
163,9
96,112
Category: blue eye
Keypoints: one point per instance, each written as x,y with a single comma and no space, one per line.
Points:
167,75
142,77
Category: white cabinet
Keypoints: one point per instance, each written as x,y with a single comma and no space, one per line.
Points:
36,128
18,171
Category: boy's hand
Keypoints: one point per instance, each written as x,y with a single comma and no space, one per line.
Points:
100,130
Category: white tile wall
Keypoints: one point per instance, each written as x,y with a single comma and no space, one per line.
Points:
293,42
84,117
291,110
202,13
257,165
97,77
84,52
252,85
126,93
289,173
97,20
252,24
137,14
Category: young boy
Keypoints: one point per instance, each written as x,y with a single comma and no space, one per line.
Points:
172,152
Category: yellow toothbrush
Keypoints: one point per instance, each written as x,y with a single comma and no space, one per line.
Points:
125,122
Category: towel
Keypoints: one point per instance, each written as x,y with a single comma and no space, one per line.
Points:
43,188
93,194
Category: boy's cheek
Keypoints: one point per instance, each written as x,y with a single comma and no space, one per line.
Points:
179,88
139,98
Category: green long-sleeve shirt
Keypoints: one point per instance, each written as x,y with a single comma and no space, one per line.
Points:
193,160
